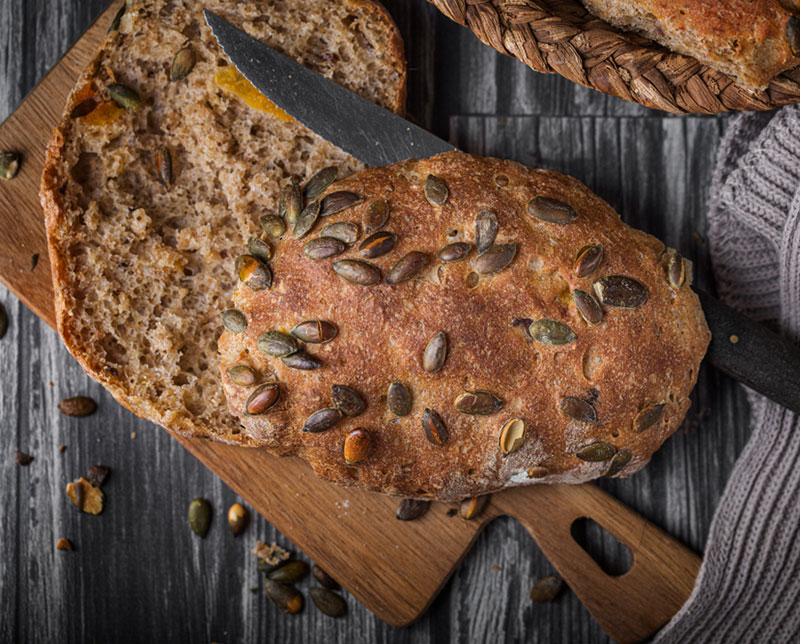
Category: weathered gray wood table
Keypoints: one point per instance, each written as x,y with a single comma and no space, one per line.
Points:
139,575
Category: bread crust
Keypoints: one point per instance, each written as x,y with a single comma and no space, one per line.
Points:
647,355
746,39
66,230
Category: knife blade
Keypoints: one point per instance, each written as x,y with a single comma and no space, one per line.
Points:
741,348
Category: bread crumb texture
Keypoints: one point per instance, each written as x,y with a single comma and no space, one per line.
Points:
634,360
746,39
142,262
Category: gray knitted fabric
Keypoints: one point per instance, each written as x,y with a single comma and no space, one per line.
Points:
748,589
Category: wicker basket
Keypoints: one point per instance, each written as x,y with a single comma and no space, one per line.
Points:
562,37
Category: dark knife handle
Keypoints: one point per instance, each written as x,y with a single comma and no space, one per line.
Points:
751,353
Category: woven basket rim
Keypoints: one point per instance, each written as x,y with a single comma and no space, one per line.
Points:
562,37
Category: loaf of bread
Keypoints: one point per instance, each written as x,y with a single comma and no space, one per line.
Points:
160,169
751,40
453,326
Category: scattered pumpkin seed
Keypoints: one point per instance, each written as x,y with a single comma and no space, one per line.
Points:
291,203
377,244
436,191
324,578
273,226
376,215
347,401
485,230
259,249
322,420
242,376
547,589
97,475
357,272
344,231
183,63
3,321
552,332
237,519
262,399
618,462
22,459
578,409
473,279
552,211
254,273
357,446
648,417
200,516
323,248
306,219
289,572
234,320
588,260
117,18
301,360
9,165
512,434
338,201
596,452
435,353
328,602
398,399
620,291
315,331
411,509
587,306
480,403
407,267
319,182
85,497
473,507
125,97
64,544
538,472
455,252
523,328
676,270
496,259
285,597
77,406
276,344
793,35
434,427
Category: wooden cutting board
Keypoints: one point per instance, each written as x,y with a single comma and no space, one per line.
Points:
395,568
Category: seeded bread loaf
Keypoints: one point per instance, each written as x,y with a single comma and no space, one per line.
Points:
751,40
565,350
160,169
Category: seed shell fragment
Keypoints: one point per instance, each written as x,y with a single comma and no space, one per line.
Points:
411,509
547,589
473,507
9,165
486,228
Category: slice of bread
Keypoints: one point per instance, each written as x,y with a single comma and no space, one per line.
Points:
585,330
142,253
751,40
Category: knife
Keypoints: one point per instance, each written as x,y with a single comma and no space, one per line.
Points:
741,348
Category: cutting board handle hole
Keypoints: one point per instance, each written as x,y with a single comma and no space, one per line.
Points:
611,555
